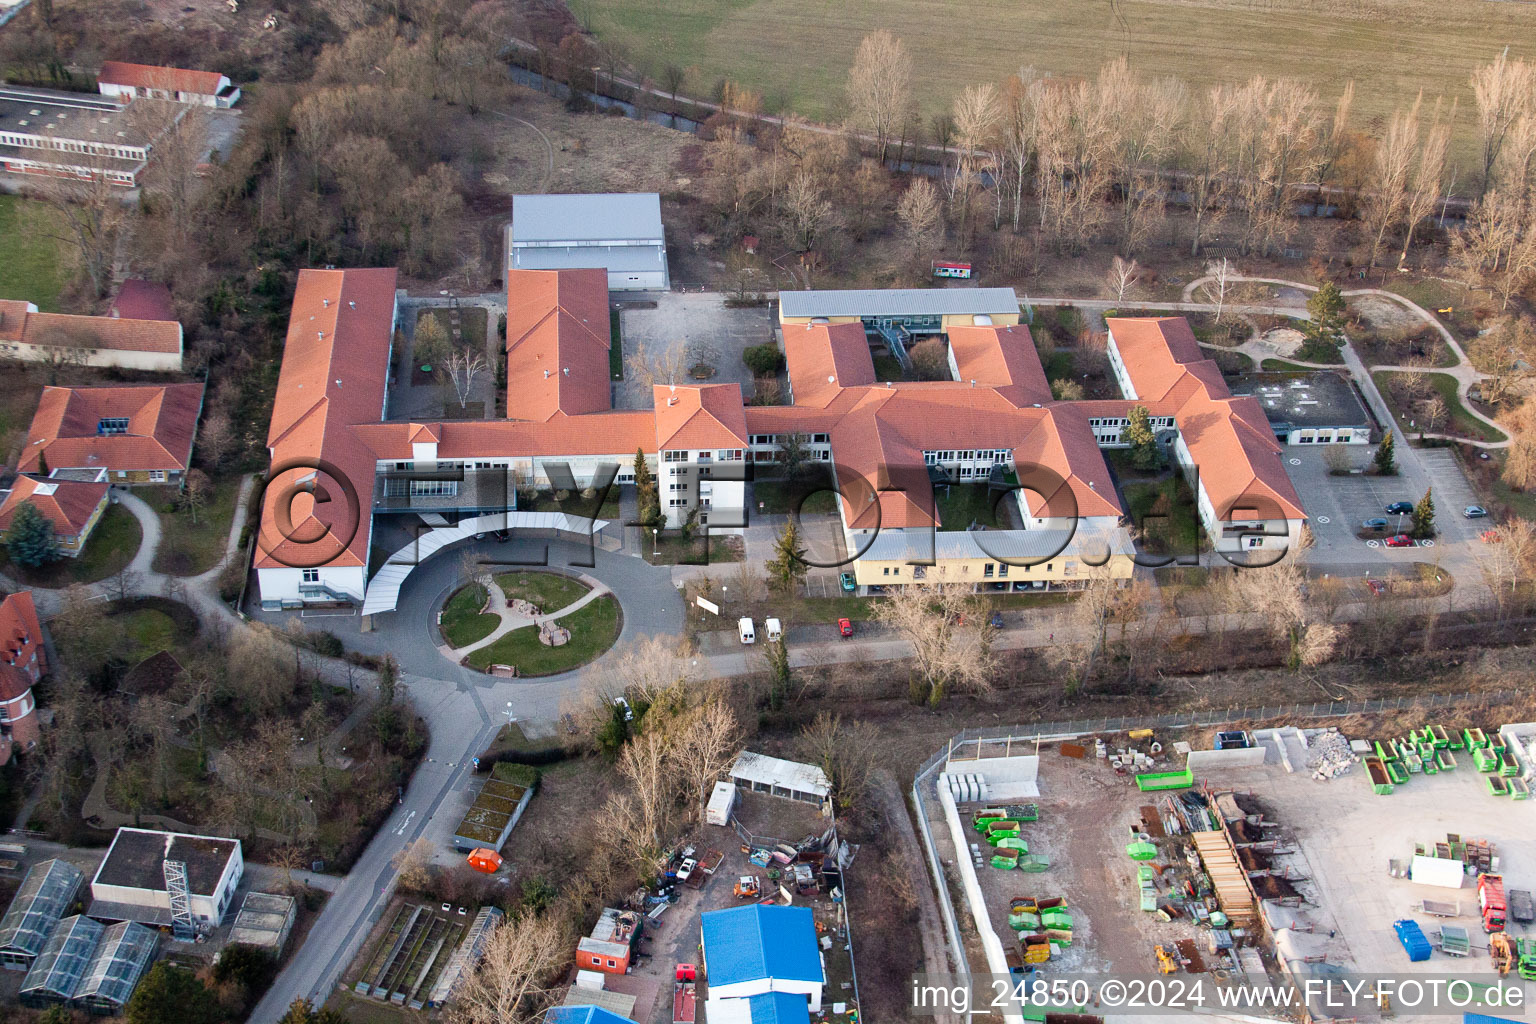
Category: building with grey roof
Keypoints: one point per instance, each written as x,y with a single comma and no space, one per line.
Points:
620,232
43,131
46,892
131,884
901,302
1319,407
264,921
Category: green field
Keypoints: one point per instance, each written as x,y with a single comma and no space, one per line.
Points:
1460,421
32,267
797,52
594,627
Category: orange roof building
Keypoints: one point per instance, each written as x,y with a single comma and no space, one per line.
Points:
137,433
73,507
23,661
129,342
125,82
339,458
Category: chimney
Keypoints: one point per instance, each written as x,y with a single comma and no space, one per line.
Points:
320,335
546,375
325,303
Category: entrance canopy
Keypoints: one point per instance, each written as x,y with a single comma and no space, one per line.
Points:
384,589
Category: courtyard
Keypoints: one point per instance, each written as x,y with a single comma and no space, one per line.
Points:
685,328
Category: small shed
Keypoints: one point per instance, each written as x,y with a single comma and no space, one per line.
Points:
775,776
264,921
720,803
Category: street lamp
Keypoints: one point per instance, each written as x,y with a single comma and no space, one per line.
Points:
510,719
655,549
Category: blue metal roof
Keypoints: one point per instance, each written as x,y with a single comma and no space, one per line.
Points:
583,1015
756,942
779,1008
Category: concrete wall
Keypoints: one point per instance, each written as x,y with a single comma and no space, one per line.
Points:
992,946
1215,760
1008,778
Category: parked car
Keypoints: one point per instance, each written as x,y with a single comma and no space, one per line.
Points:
1400,508
1378,587
687,868
629,712
844,628
1475,512
1402,540
996,621
849,583
1374,524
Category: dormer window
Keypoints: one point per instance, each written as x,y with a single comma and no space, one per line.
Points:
112,425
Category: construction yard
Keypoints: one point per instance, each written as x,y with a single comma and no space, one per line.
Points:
1306,858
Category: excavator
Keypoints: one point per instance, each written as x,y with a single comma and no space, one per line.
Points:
1500,950
1167,963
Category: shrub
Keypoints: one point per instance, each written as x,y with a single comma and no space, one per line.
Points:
763,360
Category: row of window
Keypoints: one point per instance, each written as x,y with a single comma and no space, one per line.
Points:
723,455
992,455
989,570
759,439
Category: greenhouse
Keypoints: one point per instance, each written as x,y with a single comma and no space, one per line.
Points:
58,969
122,956
45,894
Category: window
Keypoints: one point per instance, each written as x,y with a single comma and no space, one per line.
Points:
896,571
674,456
157,476
676,502
678,487
818,439
311,575
886,571
112,425
986,570
612,964
1002,569
1255,542
403,467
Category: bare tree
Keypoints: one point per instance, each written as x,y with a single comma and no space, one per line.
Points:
806,211
1387,195
1123,275
463,369
921,218
646,763
879,88
648,367
1426,183
950,641
1208,159
1220,276
1503,91
846,751
89,211
707,745
413,864
511,983
649,667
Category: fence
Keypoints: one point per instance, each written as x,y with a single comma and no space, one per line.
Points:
974,738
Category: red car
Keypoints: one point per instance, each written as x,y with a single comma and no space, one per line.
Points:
1402,540
1378,587
844,628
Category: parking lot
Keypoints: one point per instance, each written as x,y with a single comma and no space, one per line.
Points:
1338,505
690,325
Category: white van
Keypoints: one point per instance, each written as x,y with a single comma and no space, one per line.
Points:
748,633
775,630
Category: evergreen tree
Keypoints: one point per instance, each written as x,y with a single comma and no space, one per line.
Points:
30,538
778,673
302,1011
173,995
1324,333
1386,456
42,463
787,566
646,497
1424,516
1144,453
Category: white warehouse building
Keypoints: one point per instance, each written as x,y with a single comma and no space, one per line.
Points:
620,232
133,883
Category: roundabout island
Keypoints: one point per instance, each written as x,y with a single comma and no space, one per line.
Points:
529,622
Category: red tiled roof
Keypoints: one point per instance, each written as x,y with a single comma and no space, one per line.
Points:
557,343
604,433
1003,358
138,299
21,635
162,420
68,330
147,76
67,504
699,417
335,368
1229,439
13,318
825,358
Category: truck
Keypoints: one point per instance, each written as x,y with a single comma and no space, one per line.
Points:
1520,906
1490,901
684,991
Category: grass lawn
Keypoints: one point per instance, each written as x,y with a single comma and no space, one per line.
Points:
550,591
575,505
1458,420
510,739
149,630
111,546
615,345
1057,364
967,503
594,627
887,368
32,266
188,548
462,622
1277,365
1435,295
671,549
1203,43
812,496
1165,514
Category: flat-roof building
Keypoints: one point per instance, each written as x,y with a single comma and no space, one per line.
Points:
264,921
792,780
1322,407
47,132
618,231
134,882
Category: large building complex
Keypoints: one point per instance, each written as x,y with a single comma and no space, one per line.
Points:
74,134
133,433
152,877
338,458
619,232
131,343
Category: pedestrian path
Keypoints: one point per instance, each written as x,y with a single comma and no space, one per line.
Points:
496,604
